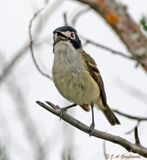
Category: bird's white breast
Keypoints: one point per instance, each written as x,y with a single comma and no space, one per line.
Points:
70,77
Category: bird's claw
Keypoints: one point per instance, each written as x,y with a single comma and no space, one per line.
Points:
92,126
62,112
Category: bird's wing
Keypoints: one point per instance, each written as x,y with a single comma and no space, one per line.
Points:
93,70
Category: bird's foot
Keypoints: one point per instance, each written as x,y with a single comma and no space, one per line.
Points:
65,109
92,126
62,112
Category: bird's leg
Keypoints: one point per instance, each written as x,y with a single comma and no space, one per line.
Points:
66,108
92,124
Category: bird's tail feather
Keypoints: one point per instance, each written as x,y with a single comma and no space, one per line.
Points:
110,116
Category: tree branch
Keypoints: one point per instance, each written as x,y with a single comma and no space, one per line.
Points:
104,150
56,110
130,116
133,129
116,16
65,19
88,41
78,15
23,51
113,51
31,42
12,63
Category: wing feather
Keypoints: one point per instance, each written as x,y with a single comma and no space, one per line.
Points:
93,70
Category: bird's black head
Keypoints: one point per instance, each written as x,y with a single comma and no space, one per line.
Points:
67,33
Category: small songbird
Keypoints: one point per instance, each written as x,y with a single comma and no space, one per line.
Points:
76,75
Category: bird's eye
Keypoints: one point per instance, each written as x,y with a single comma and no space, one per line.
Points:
72,35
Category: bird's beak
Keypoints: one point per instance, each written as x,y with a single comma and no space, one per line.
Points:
61,34
58,36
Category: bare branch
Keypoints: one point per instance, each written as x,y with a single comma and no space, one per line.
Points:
65,19
78,15
46,2
29,125
31,42
88,41
104,150
117,17
132,130
22,111
9,67
96,133
13,62
130,116
136,92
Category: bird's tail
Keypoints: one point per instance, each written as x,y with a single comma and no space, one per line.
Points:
110,116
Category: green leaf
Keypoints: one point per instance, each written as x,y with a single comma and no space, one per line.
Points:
144,23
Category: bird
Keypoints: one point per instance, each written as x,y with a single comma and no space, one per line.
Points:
76,76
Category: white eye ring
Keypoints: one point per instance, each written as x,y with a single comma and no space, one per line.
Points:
72,35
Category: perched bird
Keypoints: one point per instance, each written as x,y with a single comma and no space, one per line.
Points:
76,75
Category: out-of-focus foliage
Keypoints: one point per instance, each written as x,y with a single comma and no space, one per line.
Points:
143,22
3,153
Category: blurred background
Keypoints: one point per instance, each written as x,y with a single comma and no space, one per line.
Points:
27,131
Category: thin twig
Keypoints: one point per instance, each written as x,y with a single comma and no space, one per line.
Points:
31,42
30,128
78,15
130,116
46,2
65,19
23,51
132,130
88,41
137,93
12,63
96,133
27,122
104,150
